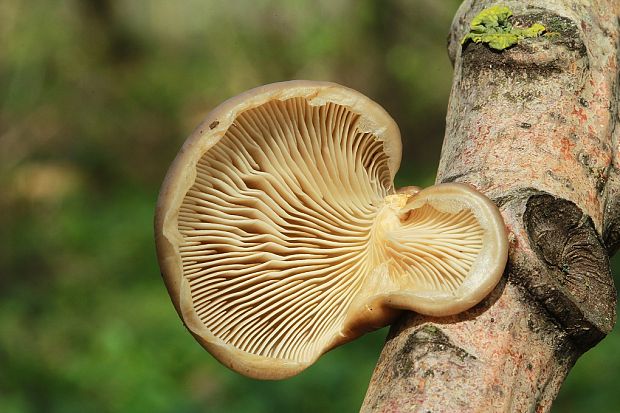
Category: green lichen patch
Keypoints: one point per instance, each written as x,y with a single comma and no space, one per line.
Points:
493,27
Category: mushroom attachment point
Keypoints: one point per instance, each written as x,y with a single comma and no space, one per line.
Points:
280,234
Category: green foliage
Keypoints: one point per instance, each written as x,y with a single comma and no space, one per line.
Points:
492,26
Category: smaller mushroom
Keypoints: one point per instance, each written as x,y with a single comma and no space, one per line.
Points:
280,234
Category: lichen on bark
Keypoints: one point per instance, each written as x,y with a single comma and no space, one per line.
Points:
493,27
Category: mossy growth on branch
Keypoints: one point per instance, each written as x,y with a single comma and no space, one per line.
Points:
492,26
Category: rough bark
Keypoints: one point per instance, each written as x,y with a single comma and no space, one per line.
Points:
534,128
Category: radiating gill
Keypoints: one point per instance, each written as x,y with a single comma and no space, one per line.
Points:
434,250
277,226
289,213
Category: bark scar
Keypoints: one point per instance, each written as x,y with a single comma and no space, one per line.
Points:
574,279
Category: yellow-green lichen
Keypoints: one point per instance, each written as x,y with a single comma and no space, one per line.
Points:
492,26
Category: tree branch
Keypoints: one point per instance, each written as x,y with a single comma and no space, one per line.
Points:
534,127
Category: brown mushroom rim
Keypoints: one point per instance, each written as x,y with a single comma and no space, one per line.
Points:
280,234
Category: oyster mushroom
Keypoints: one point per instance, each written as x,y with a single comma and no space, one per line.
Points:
280,234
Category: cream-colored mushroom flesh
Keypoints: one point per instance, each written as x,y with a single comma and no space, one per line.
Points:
280,234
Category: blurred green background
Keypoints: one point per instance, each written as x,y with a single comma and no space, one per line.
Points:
96,97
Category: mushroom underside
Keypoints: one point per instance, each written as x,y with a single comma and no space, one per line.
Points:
292,217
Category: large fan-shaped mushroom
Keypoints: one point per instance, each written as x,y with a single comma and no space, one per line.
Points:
280,235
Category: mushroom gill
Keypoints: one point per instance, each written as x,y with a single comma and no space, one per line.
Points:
276,228
279,233
434,249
